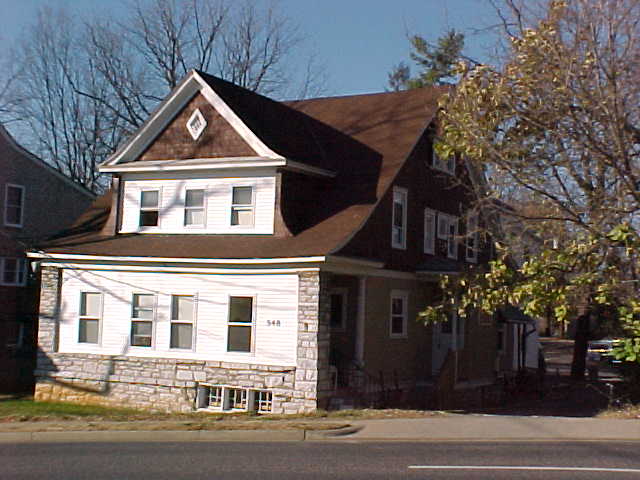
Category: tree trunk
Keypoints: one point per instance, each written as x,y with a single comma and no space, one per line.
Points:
578,365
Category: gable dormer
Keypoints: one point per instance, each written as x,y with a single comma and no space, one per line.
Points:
198,165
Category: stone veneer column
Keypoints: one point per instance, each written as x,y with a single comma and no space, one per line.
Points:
47,320
312,368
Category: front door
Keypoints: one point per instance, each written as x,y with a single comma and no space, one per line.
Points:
442,342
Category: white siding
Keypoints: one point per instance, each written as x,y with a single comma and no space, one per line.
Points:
276,300
218,191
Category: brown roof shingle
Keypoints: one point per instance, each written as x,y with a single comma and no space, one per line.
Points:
364,138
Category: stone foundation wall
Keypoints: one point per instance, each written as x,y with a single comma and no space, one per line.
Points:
156,383
171,384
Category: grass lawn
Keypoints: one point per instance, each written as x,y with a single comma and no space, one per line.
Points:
24,414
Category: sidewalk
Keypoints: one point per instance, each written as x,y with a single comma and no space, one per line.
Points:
458,428
497,428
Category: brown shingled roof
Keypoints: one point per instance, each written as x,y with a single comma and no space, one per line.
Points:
365,138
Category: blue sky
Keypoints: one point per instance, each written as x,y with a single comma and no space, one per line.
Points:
357,40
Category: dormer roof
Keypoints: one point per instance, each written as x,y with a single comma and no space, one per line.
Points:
362,141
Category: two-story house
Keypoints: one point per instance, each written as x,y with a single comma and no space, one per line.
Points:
251,253
35,201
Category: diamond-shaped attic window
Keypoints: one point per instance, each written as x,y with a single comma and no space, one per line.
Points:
196,124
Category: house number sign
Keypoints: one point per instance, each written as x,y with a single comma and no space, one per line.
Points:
273,323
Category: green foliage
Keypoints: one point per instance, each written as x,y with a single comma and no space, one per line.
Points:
554,133
436,63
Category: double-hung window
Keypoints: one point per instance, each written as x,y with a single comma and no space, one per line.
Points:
399,219
13,271
182,319
448,165
242,206
14,205
399,314
143,307
429,231
448,230
149,208
194,215
240,331
89,318
472,238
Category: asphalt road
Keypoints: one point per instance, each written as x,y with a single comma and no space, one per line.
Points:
319,460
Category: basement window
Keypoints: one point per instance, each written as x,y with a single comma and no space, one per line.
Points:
263,401
196,124
225,398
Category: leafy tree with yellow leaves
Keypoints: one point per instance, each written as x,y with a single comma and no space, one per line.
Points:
552,138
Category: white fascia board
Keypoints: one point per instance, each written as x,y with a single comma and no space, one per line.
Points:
195,164
180,269
216,164
207,261
236,123
156,122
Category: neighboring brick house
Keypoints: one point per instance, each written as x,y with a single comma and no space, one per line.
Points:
35,201
262,254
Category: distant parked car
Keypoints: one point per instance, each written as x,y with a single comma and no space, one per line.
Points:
599,354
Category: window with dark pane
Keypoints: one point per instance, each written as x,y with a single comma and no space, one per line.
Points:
149,208
240,330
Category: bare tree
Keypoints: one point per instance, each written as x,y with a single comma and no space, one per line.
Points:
85,86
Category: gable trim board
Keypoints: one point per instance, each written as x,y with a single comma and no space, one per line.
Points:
171,106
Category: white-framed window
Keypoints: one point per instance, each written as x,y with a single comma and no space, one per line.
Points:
448,230
429,231
399,218
215,397
448,165
196,124
399,306
226,398
242,206
183,314
338,319
13,271
194,208
472,238
240,324
237,399
263,401
89,318
143,309
14,205
149,208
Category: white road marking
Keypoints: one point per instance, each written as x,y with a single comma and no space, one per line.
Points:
516,467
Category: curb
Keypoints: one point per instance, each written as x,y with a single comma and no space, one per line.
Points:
75,436
154,436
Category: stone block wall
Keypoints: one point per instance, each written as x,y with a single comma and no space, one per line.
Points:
164,384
